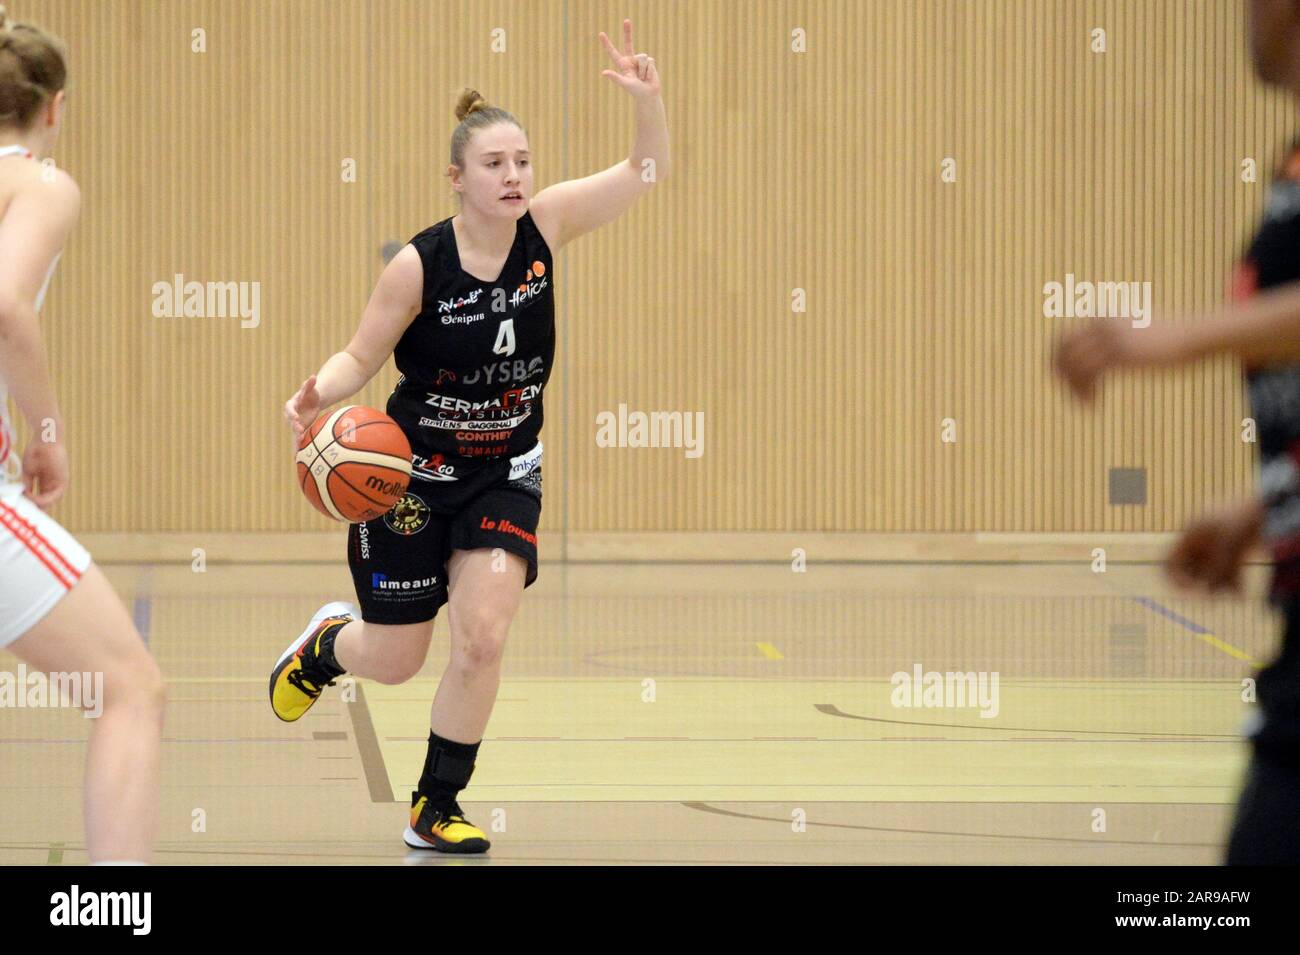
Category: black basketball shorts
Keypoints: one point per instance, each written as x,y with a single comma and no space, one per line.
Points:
399,561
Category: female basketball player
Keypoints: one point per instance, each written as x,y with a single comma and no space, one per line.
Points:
1264,331
57,611
467,308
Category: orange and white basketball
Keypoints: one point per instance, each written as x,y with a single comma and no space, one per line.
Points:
354,464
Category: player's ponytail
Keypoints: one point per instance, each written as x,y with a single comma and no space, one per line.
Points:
33,67
474,113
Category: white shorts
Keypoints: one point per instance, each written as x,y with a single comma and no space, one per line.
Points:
39,563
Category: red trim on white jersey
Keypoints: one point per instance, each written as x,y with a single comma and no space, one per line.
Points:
41,548
6,437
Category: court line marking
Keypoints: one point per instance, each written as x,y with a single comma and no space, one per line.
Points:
426,858
825,739
1202,633
705,807
769,651
1083,683
830,709
372,757
141,615
142,605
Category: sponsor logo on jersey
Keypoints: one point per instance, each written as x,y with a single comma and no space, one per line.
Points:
363,537
445,375
503,526
451,304
453,423
432,469
525,462
532,285
512,399
409,516
463,319
382,582
501,372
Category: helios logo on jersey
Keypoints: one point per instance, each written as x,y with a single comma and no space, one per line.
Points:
651,429
529,289
1073,299
74,907
35,689
182,299
946,690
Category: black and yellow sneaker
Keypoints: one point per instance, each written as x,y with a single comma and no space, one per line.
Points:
299,674
443,829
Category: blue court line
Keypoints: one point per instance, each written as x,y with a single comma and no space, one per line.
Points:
1177,618
142,609
1202,632
142,613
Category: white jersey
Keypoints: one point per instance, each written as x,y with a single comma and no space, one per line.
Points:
10,472
39,560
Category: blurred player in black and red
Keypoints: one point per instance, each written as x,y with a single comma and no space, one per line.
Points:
1261,326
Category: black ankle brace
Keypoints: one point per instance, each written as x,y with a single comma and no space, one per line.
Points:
448,767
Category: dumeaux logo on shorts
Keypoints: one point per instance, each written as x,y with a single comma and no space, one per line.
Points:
408,516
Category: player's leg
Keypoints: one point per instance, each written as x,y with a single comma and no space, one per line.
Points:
494,559
338,642
385,653
486,589
1266,825
485,592
387,638
89,631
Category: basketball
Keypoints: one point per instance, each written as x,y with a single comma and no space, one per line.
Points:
354,464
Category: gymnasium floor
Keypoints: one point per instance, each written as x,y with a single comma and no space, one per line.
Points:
770,695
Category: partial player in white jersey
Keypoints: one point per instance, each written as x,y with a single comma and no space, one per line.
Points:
58,613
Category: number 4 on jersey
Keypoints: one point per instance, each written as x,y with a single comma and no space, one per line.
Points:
505,343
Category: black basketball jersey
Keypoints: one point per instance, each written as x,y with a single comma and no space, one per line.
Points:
475,360
1272,259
